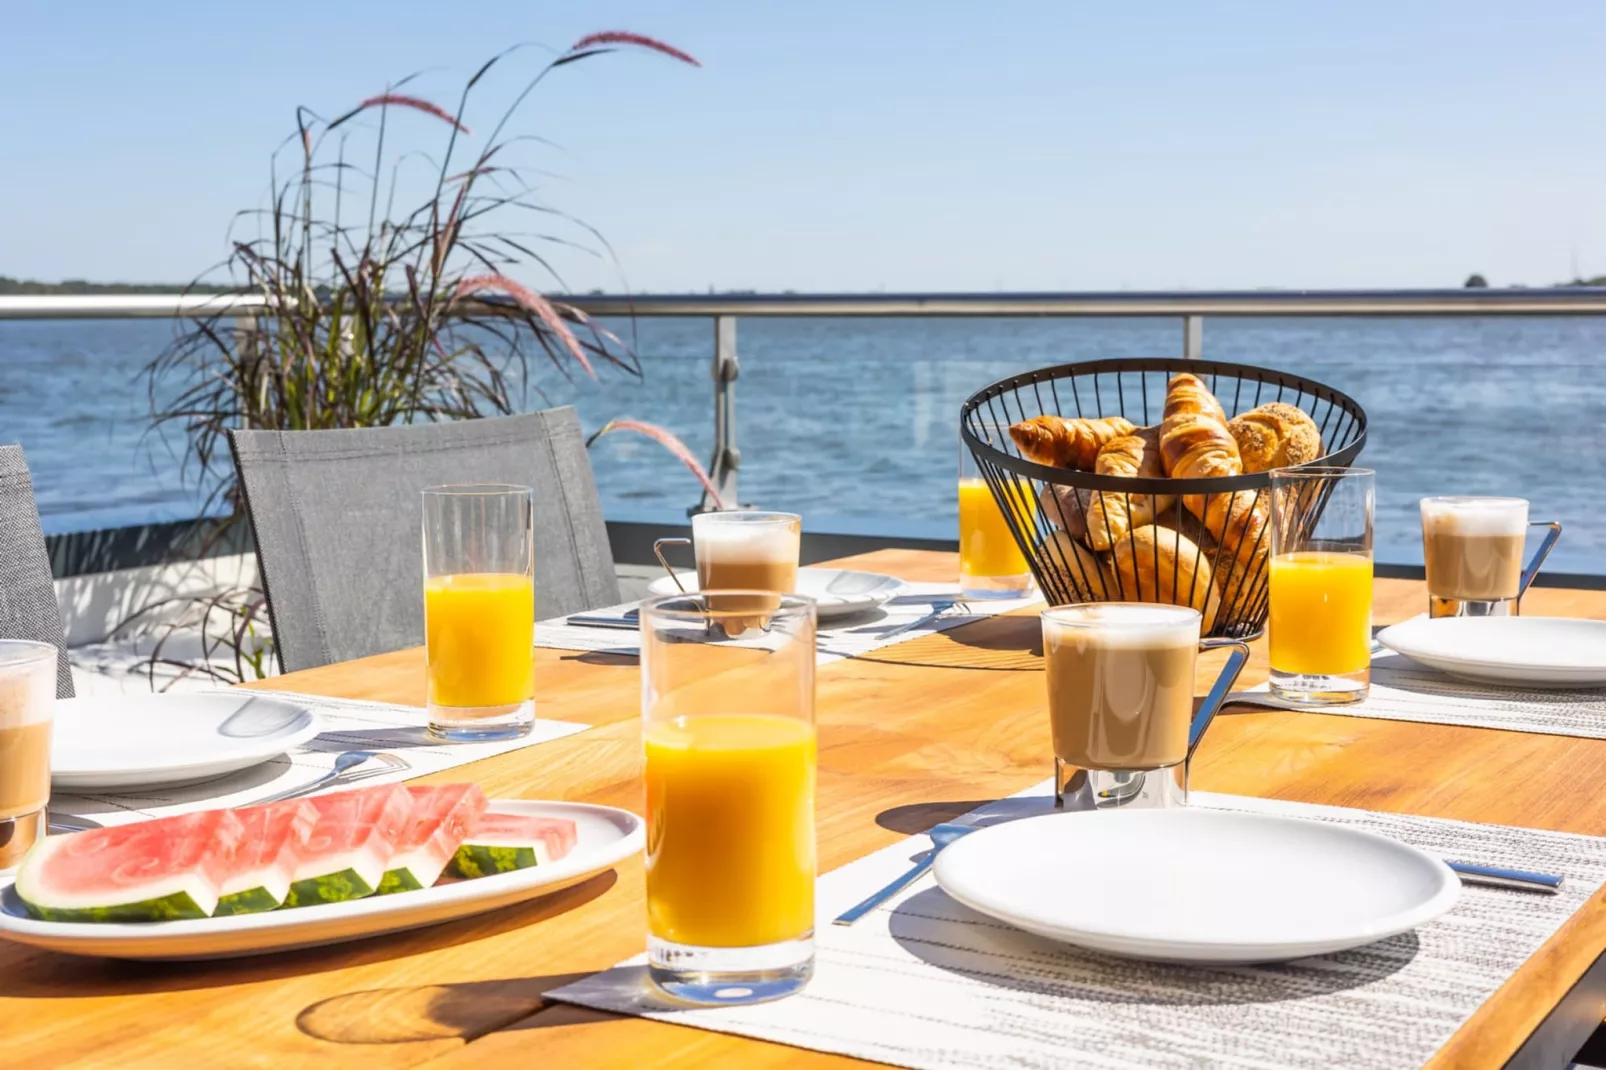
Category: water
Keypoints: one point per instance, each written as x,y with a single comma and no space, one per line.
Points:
853,422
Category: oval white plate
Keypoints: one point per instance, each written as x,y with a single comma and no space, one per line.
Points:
1547,651
604,837
124,741
837,592
1194,885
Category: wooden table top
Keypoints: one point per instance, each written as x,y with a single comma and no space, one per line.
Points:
910,735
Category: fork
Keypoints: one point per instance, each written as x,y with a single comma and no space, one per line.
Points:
937,609
342,773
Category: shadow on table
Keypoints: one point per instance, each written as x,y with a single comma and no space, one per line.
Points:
940,932
47,975
915,818
997,644
466,1010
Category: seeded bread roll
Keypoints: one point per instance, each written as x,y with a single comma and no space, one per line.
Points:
1277,435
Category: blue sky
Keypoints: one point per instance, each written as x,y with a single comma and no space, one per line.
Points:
861,146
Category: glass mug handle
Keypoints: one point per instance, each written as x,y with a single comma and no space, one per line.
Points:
658,552
1219,690
1545,546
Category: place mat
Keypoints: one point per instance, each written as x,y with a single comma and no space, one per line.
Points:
1404,690
924,982
846,638
349,725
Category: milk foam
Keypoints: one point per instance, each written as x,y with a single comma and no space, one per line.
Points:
27,693
1114,626
745,541
1475,516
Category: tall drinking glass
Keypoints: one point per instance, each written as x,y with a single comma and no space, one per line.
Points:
991,564
728,724
27,710
1321,585
479,610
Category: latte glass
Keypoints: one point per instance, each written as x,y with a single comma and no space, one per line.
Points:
1472,550
743,550
1120,701
27,712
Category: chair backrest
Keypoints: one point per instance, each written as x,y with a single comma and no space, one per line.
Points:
338,520
28,607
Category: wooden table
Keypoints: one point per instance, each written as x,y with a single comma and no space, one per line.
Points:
909,736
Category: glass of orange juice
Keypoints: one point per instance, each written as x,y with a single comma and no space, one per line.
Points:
991,564
1321,585
728,727
479,610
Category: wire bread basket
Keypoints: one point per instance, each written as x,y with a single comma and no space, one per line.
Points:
1170,552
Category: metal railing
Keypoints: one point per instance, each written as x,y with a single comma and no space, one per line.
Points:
1190,309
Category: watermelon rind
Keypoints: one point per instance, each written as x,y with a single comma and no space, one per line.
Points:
337,887
251,901
178,906
484,859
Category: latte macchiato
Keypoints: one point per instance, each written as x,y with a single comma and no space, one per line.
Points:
1472,547
746,552
1120,684
27,706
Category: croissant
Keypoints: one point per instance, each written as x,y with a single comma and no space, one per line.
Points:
1198,446
1156,564
1083,573
1275,435
1187,392
1067,443
1111,514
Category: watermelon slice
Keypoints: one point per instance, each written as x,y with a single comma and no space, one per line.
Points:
441,819
501,843
350,847
259,876
160,870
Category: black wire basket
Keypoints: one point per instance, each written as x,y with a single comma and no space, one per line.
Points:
1174,555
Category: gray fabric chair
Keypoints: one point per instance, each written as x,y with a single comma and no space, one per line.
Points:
337,517
28,608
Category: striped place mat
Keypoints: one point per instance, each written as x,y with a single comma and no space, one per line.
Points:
1403,690
924,982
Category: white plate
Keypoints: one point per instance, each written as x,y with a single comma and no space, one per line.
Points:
604,837
837,592
1546,651
125,741
1195,885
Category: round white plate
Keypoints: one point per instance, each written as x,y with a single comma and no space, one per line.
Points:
124,741
1195,885
837,592
1543,651
604,837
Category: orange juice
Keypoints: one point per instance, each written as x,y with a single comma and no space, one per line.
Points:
730,829
986,548
479,631
1321,612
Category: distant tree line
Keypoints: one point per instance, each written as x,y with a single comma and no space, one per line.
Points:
10,286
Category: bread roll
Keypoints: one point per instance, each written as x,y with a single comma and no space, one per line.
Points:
1067,443
1156,564
1065,507
1110,515
1276,435
1083,573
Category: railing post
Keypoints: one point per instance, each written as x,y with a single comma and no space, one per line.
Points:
727,458
1192,337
